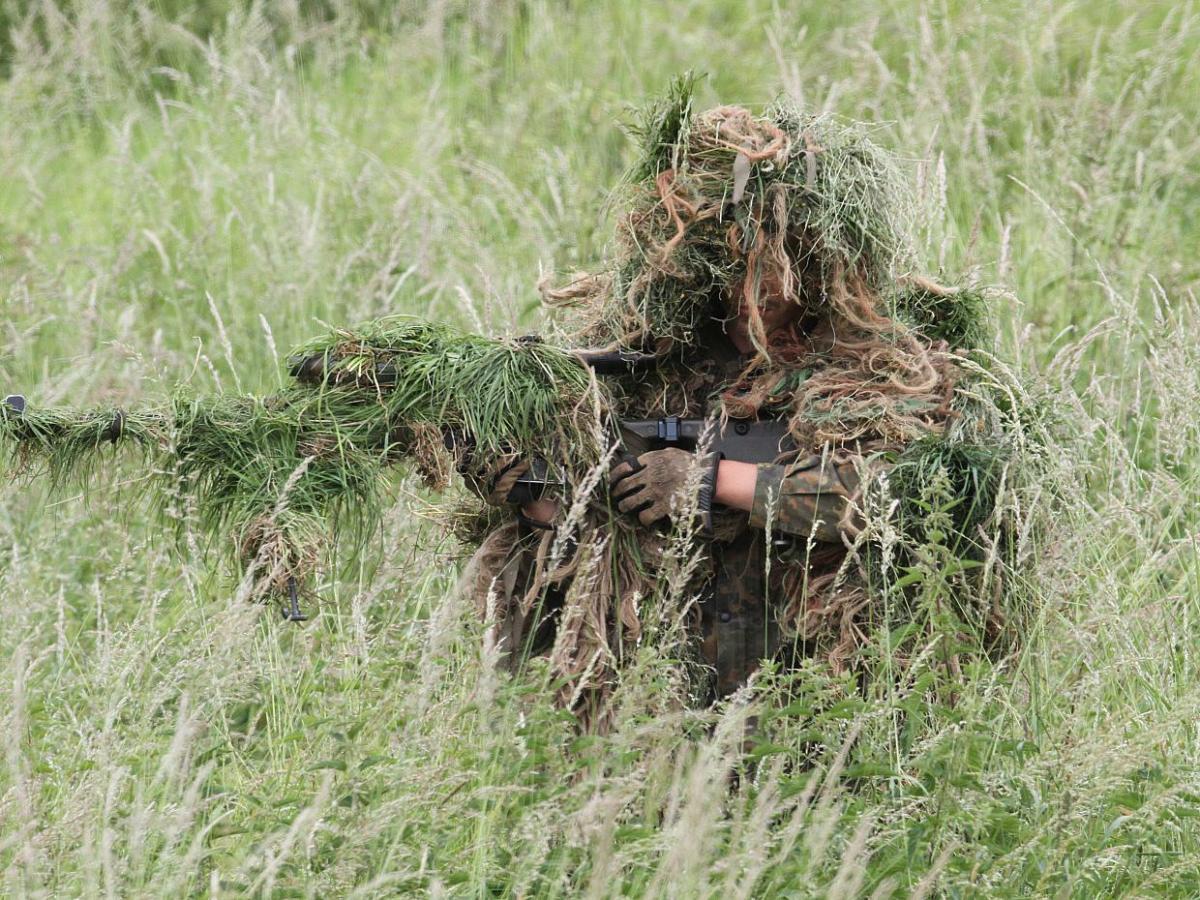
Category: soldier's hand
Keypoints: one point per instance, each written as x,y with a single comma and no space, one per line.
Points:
499,479
648,485
490,478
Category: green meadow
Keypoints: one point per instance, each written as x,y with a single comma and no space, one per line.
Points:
188,190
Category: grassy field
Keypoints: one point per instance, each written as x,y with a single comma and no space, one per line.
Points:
188,189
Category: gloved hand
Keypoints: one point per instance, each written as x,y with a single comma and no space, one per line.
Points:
647,485
502,478
493,480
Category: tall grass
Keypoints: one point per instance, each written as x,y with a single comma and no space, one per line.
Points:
185,187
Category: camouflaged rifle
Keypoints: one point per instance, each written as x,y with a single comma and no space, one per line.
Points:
279,472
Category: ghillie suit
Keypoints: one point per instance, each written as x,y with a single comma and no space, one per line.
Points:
895,441
892,512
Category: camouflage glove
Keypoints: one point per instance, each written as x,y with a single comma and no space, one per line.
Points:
492,480
501,484
646,486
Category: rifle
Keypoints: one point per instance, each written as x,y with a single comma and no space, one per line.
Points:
740,441
280,473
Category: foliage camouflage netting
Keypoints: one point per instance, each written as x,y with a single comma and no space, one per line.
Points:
713,193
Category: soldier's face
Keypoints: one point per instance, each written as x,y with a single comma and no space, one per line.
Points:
776,310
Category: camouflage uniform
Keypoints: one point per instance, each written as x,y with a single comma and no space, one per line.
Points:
809,503
807,500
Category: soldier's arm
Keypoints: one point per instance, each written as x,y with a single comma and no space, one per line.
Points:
814,496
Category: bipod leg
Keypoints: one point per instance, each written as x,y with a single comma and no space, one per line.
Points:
293,613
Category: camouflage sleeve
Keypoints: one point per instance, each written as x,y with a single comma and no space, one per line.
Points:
814,496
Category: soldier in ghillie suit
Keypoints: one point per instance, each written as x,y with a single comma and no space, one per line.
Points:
763,260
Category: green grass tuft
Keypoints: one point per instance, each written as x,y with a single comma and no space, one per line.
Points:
958,316
661,128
